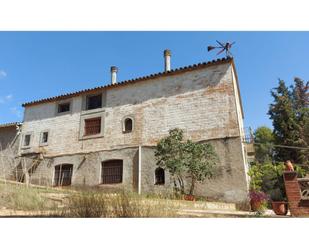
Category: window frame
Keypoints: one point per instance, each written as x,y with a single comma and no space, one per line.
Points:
87,101
66,101
60,172
99,118
84,117
124,124
23,146
41,137
102,172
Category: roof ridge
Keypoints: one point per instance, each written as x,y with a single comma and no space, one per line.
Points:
124,82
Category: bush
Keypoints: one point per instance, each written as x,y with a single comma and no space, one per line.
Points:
268,177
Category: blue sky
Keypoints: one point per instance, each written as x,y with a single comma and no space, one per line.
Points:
36,65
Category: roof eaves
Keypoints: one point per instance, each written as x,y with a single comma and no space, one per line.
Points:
9,125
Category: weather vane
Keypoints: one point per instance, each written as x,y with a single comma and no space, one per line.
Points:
224,47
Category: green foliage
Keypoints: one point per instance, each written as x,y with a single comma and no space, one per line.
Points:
268,177
290,115
186,159
264,139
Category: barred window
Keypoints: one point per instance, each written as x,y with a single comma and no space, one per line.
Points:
92,126
63,175
112,171
159,176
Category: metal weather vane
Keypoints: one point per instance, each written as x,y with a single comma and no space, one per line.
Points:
223,47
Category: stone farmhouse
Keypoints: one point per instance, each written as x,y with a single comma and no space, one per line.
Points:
106,136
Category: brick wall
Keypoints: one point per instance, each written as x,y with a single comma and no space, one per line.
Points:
297,206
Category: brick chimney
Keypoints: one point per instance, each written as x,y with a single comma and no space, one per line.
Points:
167,60
114,71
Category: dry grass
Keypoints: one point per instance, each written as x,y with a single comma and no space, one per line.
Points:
121,204
19,197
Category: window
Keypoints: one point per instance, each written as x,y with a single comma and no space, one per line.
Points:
63,175
159,176
44,137
128,125
27,140
64,107
93,102
92,126
112,171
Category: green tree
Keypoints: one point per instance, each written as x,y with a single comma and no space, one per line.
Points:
300,94
200,162
290,115
186,159
263,139
284,122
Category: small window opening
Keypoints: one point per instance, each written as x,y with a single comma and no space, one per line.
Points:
92,126
94,101
64,107
45,137
159,176
27,140
128,125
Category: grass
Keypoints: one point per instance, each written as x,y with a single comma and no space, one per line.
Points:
19,197
111,205
94,202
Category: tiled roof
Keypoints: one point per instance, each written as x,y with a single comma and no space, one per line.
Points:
8,125
126,82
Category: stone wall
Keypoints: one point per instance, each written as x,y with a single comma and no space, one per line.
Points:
87,168
229,185
202,102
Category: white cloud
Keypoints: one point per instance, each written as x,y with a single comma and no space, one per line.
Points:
3,74
16,111
6,98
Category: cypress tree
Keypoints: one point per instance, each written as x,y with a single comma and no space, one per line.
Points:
285,131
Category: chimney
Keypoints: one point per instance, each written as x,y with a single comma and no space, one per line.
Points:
114,71
167,60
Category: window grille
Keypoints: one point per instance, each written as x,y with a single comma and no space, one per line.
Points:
112,171
92,126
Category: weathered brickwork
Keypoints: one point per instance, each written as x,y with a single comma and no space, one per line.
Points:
205,103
